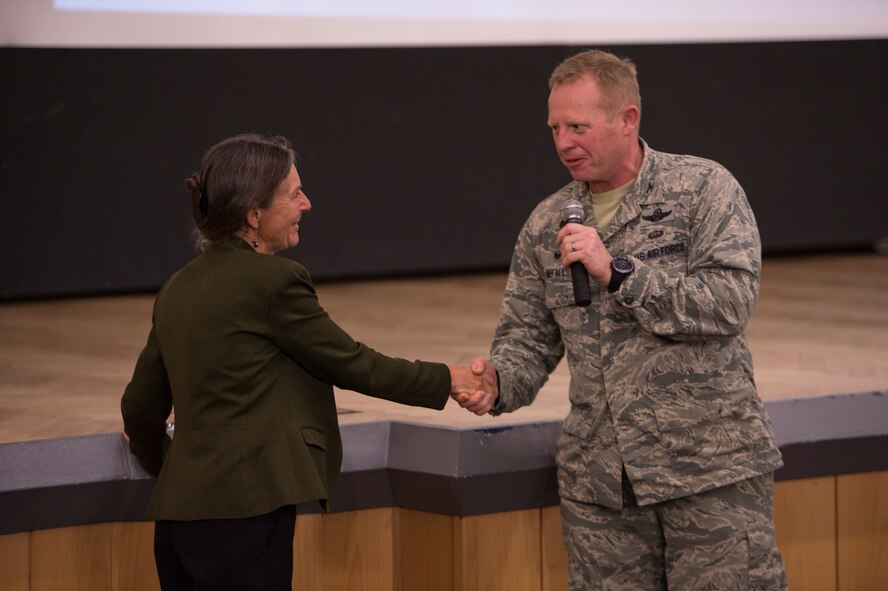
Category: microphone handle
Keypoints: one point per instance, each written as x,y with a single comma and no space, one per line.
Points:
582,289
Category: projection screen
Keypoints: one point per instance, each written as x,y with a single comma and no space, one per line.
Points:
345,23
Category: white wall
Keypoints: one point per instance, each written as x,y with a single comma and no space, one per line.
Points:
325,23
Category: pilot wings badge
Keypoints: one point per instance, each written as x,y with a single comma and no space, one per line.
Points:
657,215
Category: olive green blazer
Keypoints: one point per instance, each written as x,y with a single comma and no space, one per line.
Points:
243,351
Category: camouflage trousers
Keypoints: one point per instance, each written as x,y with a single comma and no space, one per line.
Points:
719,540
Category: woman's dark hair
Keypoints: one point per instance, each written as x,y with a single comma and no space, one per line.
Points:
236,174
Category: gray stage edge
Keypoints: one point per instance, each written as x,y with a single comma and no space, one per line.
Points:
94,478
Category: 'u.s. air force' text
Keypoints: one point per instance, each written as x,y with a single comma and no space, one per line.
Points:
646,255
661,251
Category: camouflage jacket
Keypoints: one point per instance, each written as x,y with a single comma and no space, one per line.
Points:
661,375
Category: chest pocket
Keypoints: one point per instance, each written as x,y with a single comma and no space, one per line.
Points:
569,317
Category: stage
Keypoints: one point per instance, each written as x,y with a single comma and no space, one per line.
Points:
820,328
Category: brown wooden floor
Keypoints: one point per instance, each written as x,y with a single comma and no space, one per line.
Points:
821,327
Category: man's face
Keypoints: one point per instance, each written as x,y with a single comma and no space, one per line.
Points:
592,144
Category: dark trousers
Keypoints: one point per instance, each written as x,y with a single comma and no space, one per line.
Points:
253,553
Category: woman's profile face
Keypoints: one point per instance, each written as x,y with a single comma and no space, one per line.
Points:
279,222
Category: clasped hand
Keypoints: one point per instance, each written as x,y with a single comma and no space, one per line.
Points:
474,387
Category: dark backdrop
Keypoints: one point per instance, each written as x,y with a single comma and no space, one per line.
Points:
417,160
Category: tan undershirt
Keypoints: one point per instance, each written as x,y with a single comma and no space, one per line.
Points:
605,205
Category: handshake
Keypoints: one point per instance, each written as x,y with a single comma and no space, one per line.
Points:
474,387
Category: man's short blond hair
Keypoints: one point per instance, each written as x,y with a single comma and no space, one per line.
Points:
617,77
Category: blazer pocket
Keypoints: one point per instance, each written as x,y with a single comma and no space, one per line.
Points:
316,445
314,438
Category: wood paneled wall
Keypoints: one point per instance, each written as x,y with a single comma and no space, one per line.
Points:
832,531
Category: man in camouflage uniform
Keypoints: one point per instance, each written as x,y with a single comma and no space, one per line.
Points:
666,459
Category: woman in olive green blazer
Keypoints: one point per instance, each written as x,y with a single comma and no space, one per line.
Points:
243,351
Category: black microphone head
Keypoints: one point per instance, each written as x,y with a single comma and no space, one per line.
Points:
572,212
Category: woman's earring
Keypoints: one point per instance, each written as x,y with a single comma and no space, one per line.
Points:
255,243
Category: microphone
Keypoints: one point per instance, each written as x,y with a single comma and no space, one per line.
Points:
572,213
